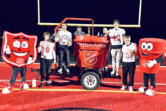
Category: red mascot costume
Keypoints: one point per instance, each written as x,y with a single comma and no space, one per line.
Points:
18,50
151,51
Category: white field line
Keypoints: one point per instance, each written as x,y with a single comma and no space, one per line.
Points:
161,84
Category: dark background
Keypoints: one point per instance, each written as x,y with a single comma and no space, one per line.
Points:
21,15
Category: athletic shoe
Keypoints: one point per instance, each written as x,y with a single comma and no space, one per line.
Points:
117,73
142,89
106,68
150,92
60,71
131,88
113,73
24,86
67,71
123,87
7,90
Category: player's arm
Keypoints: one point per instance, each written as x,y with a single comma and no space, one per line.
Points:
109,38
53,37
121,40
123,34
134,50
70,40
57,36
110,33
75,33
54,54
40,46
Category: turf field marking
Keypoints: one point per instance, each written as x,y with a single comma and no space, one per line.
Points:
83,90
161,84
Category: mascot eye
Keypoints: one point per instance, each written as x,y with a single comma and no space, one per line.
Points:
24,44
16,44
144,46
149,46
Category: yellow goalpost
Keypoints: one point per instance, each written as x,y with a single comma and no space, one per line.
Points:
95,25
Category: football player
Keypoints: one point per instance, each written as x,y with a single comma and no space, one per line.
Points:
64,37
116,39
47,49
129,51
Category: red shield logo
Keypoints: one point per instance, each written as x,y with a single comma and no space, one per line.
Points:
90,57
19,49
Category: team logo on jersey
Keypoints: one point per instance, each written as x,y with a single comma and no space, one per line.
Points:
144,63
90,57
19,49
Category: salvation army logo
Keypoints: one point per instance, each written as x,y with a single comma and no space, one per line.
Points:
128,55
19,60
144,63
19,49
90,57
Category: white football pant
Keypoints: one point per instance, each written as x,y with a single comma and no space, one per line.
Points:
116,59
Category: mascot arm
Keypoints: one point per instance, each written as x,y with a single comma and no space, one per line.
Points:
29,60
151,63
160,59
7,52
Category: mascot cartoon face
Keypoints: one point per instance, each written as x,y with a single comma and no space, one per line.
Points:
151,48
19,49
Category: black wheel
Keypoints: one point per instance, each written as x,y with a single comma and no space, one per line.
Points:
90,80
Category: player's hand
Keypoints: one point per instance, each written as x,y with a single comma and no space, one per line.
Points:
151,63
41,43
98,33
55,61
131,51
68,43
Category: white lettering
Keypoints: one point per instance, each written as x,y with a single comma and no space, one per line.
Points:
92,45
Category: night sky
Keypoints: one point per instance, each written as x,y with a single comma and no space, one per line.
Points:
21,15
